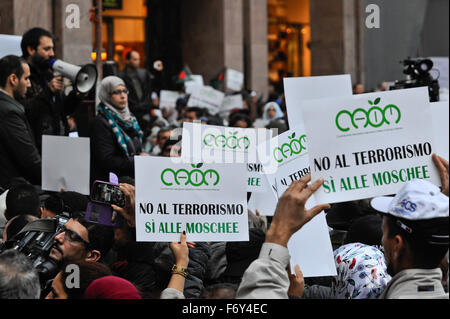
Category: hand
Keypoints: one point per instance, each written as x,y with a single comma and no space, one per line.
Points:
56,84
442,166
128,212
297,282
181,251
290,214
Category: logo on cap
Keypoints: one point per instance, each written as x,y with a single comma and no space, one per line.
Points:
407,205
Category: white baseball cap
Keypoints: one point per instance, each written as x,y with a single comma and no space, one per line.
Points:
418,200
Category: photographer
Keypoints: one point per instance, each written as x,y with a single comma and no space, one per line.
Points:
44,100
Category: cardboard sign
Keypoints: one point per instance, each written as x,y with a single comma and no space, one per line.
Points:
219,144
315,87
370,144
65,163
208,201
440,114
169,98
206,97
234,80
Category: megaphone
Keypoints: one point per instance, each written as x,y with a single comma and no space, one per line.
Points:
83,77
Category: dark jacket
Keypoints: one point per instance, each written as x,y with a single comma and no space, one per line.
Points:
19,156
44,110
139,106
106,153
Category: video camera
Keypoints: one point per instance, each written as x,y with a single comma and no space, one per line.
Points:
35,241
418,74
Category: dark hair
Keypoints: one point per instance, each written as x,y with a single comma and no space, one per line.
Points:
198,111
100,237
236,117
89,271
17,223
10,64
128,55
424,255
32,38
212,292
22,199
164,130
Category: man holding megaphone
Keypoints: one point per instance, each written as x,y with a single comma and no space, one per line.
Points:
46,105
43,103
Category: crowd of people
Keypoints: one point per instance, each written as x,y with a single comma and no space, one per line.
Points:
380,251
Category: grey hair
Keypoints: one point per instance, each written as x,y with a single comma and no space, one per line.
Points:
18,278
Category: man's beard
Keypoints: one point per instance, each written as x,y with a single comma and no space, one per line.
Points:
40,62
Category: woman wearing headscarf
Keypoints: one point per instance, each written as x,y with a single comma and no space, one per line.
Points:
361,274
115,133
272,112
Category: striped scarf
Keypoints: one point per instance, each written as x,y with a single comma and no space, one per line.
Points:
118,124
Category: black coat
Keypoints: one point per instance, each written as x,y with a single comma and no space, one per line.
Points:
19,156
44,109
106,153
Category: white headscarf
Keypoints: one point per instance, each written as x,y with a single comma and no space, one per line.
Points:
107,86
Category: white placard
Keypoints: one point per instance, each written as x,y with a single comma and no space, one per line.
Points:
169,98
10,45
65,163
311,248
219,144
266,201
196,80
314,87
287,157
231,102
206,97
370,144
234,80
208,201
440,115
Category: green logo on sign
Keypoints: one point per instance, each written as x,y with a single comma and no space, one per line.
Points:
195,177
286,150
231,142
375,116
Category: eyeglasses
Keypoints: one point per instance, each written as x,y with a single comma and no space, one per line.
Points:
118,92
72,236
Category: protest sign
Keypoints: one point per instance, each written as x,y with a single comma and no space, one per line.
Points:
206,97
289,161
10,45
218,144
208,201
287,157
265,202
196,80
234,80
440,114
169,98
314,87
231,102
441,65
65,163
369,145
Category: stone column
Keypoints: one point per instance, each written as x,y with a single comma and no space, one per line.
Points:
212,36
334,41
256,47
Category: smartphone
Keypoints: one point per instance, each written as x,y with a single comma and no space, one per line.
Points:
107,193
102,214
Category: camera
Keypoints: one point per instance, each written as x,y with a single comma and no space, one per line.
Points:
35,241
418,74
